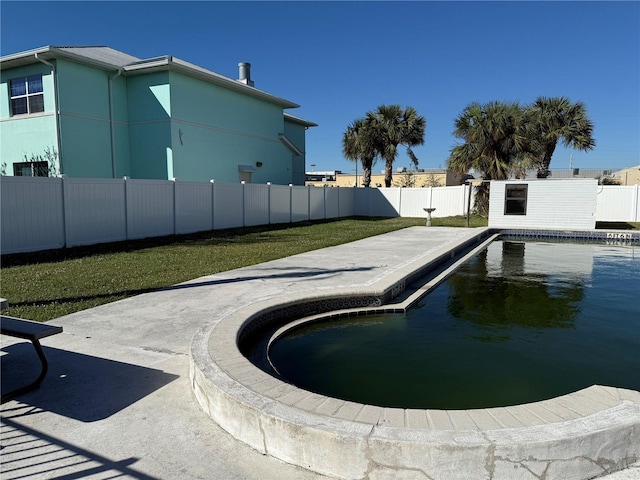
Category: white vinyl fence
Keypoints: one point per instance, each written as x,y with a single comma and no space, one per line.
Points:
618,203
44,213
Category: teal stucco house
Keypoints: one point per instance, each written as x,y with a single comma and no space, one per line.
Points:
96,112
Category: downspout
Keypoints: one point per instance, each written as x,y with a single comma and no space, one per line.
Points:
56,112
111,129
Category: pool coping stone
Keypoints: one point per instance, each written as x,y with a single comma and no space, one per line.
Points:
578,434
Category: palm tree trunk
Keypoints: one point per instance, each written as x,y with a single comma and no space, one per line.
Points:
543,166
366,176
388,175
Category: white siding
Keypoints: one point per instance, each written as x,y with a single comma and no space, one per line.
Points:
569,204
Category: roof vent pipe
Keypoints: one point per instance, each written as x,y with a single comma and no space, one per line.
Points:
244,69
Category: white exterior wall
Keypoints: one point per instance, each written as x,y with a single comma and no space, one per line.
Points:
551,204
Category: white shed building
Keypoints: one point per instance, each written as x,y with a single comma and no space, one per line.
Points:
543,204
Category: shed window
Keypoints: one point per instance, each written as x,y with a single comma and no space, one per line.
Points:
515,201
26,95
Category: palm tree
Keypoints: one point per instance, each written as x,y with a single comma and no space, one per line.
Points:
496,144
558,118
395,126
358,143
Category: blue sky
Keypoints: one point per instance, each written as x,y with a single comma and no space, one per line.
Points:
340,59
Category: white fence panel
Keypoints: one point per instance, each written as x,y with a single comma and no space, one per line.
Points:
449,201
280,204
194,207
618,203
384,202
228,201
150,208
332,203
414,201
44,213
32,214
316,203
95,211
256,204
347,201
300,204
361,201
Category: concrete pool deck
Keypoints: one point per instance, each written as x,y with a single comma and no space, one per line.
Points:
118,399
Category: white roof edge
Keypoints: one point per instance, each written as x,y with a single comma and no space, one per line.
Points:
27,53
51,52
301,121
178,64
168,62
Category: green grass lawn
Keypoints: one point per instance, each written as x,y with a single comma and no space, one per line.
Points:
45,285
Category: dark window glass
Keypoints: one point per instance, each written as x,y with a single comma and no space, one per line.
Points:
515,202
26,95
36,104
18,87
19,106
35,84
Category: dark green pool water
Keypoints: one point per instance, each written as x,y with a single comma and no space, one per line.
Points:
518,323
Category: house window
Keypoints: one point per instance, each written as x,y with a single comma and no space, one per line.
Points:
31,169
26,95
515,201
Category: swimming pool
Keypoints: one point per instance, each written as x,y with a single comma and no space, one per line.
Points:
518,323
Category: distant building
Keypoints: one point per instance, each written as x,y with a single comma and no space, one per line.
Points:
103,113
628,176
321,177
557,173
421,178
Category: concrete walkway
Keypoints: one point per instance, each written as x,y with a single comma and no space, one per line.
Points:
117,400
